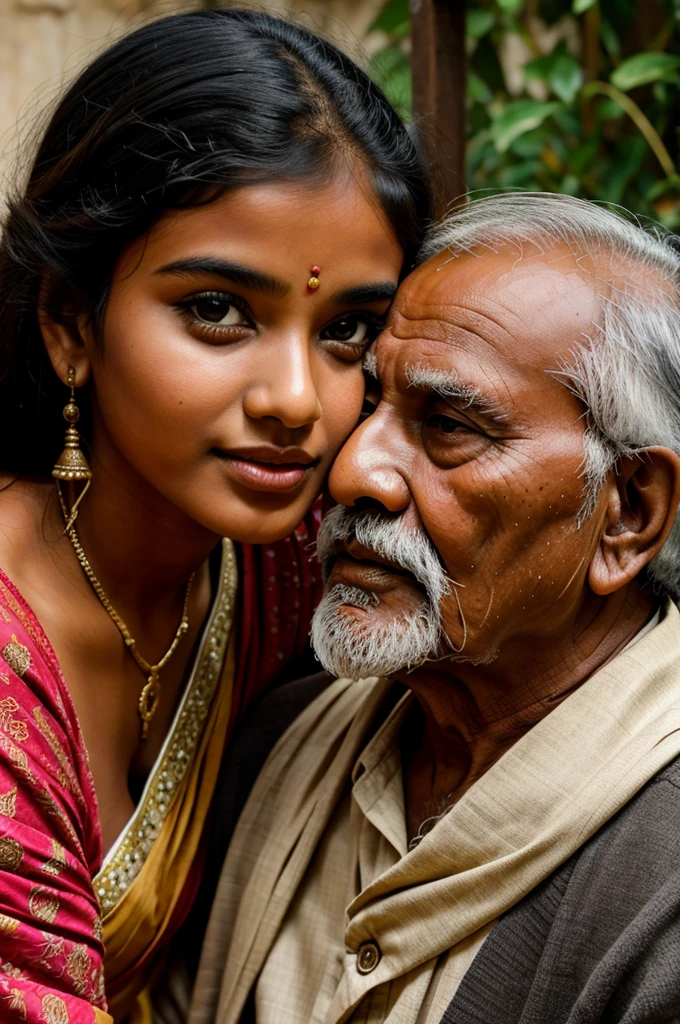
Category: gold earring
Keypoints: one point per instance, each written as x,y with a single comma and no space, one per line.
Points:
72,465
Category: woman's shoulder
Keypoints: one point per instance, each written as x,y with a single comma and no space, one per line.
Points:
41,744
50,847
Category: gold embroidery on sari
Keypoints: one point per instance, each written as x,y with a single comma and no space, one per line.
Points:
98,985
11,854
16,1002
97,930
78,967
42,796
14,727
5,614
49,804
57,862
68,777
5,678
17,656
8,925
37,635
43,904
8,803
54,1010
53,947
11,971
130,855
18,757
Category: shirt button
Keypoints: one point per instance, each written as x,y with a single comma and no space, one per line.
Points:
368,957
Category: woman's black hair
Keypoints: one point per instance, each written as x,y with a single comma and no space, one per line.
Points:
174,115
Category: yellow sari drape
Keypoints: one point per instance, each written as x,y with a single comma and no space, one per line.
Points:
140,884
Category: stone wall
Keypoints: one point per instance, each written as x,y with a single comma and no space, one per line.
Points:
43,43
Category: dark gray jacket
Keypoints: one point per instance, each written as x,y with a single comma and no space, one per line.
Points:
597,943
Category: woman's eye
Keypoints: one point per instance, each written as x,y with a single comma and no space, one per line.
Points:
218,310
351,330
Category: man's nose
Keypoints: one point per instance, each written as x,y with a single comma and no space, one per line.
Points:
285,388
367,467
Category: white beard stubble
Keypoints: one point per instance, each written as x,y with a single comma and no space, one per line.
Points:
353,646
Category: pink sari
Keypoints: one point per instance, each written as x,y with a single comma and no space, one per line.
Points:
51,952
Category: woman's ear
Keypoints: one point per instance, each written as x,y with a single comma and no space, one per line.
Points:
642,497
66,330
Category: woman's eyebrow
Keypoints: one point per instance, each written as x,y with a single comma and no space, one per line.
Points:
248,277
372,292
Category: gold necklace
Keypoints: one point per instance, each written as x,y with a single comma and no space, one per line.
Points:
149,698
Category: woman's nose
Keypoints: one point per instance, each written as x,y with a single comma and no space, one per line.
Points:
285,389
367,467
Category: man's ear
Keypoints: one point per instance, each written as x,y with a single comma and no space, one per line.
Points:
642,497
66,330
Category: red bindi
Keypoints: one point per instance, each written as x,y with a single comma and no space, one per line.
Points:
314,282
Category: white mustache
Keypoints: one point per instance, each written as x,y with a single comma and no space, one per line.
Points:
404,547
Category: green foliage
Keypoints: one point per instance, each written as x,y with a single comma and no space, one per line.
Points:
581,6
575,96
643,68
560,70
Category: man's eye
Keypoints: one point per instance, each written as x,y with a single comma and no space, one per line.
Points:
218,310
445,424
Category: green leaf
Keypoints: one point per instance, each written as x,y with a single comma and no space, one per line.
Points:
393,18
663,187
610,39
530,145
643,68
478,90
487,65
522,175
570,186
517,118
560,70
581,158
391,70
478,22
510,6
622,168
581,6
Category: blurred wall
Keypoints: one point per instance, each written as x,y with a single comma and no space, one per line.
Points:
43,43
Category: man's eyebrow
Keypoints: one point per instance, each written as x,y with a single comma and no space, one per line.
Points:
448,384
371,292
256,280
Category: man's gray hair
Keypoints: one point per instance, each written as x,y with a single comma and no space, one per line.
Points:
628,375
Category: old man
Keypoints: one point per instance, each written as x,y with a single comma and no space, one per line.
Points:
487,829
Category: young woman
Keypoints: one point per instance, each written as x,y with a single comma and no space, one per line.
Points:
216,219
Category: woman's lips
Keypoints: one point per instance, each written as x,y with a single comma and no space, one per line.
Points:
268,469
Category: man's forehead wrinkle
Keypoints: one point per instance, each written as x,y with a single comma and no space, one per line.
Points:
503,286
450,324
499,385
546,291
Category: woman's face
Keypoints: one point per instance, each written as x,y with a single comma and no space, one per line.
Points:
225,386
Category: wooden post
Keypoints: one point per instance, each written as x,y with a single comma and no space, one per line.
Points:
439,85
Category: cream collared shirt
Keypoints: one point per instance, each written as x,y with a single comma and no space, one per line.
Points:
366,836
318,869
